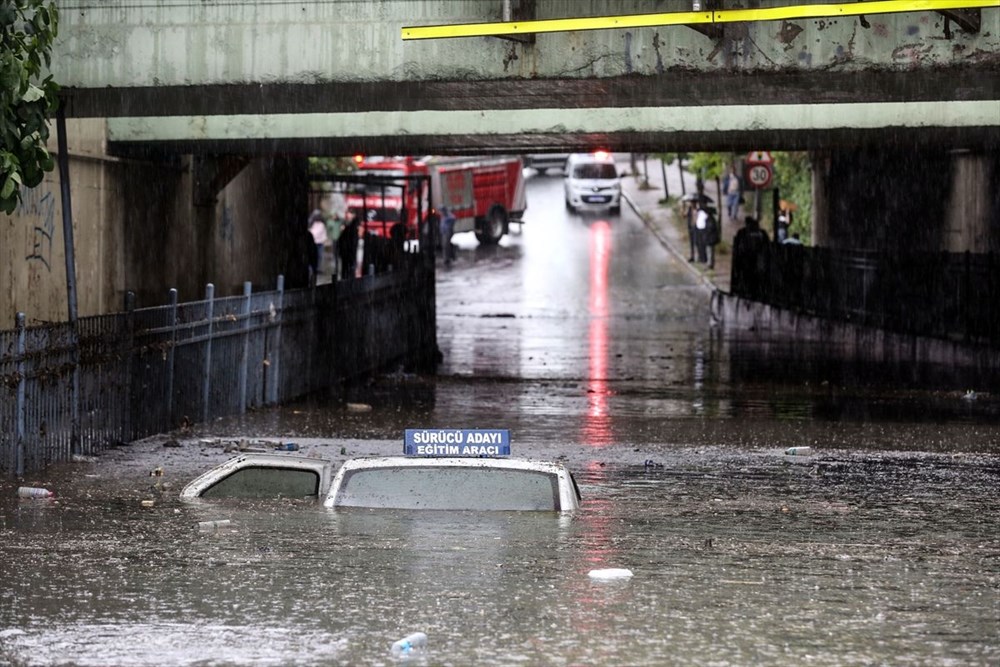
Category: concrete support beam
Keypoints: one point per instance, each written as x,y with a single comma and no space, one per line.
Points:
691,127
969,20
211,173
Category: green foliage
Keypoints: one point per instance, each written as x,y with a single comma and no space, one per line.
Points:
709,165
331,165
28,96
793,177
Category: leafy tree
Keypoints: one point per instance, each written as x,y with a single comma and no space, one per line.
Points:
709,165
28,95
331,165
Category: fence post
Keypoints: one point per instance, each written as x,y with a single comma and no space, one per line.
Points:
129,363
966,302
206,382
170,359
19,427
275,366
247,290
75,438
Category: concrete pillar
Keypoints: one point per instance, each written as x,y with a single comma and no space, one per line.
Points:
820,198
884,199
261,225
973,220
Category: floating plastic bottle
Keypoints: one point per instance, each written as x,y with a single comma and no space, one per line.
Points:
799,451
288,447
34,492
213,525
408,644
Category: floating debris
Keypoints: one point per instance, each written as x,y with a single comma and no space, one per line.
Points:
610,574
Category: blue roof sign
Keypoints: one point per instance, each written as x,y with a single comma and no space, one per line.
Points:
456,442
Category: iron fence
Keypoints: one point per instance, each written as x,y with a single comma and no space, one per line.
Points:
113,378
954,296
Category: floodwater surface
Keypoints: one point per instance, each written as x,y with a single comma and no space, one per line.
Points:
583,337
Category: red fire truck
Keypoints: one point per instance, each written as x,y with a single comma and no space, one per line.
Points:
484,193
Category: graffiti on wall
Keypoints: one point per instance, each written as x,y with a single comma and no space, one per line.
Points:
38,206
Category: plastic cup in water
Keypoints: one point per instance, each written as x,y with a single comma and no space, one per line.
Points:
408,644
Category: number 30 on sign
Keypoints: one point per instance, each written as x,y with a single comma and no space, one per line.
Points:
759,176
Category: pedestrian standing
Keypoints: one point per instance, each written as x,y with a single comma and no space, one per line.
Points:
782,224
347,245
334,227
317,227
751,258
733,189
690,211
447,229
712,235
701,233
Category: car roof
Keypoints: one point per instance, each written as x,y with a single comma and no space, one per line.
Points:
590,157
450,462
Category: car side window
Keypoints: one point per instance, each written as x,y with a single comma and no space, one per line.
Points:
261,482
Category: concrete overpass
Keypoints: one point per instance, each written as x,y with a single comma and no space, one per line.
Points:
335,77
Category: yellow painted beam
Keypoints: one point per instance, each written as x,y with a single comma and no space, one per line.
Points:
688,18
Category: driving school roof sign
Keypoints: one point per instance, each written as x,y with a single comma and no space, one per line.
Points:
456,442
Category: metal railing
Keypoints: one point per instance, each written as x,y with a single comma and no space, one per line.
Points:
953,296
123,376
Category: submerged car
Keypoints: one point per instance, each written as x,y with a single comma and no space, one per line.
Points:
435,479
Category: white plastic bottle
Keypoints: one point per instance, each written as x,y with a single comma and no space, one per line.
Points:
33,492
408,644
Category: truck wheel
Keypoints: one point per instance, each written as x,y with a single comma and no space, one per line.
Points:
492,229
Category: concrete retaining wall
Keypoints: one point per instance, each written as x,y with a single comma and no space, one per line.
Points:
769,332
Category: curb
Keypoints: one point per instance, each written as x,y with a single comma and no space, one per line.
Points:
705,281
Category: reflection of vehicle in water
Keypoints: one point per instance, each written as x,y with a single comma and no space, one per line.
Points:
484,193
443,476
592,183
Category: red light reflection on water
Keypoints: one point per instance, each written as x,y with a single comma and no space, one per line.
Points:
597,421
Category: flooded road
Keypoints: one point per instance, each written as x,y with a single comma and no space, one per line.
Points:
583,337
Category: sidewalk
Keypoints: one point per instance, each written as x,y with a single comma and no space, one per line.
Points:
662,221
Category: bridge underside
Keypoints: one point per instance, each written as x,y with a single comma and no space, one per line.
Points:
685,111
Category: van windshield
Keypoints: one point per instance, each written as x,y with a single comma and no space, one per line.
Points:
600,170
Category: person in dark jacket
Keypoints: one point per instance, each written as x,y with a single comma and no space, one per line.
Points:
447,230
751,254
347,245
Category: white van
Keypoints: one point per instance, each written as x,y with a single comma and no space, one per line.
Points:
592,183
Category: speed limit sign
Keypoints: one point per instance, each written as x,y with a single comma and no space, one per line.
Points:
759,175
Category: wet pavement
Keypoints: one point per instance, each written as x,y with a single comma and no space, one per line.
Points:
587,339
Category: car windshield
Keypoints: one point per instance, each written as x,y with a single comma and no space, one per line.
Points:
443,488
595,171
